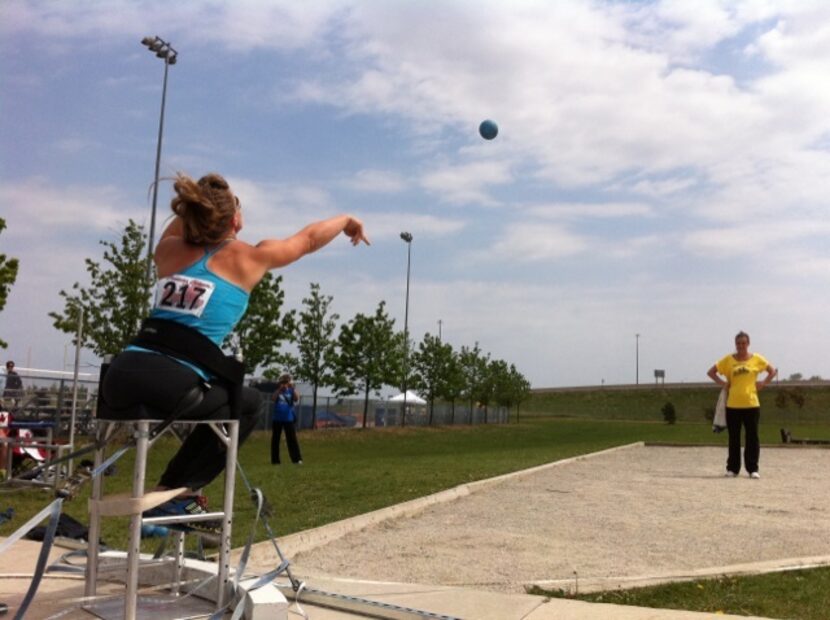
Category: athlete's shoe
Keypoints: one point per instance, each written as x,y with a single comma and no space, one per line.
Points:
730,474
755,475
181,506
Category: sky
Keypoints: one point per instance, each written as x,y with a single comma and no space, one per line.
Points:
660,170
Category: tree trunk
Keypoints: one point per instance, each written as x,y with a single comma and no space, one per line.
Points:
314,407
365,404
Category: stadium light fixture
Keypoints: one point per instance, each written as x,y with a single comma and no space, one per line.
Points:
165,51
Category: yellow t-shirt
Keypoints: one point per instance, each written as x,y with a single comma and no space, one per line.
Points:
742,376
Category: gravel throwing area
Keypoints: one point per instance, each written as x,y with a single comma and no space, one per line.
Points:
634,512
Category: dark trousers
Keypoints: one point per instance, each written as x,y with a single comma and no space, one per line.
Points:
290,440
735,419
159,382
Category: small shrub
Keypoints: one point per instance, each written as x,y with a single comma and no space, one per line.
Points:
798,397
669,413
793,395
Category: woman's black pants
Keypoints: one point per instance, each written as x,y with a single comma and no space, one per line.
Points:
290,440
748,419
159,382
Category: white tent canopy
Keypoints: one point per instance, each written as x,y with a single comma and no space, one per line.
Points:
411,398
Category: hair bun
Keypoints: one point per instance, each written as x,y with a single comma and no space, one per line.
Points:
206,206
214,181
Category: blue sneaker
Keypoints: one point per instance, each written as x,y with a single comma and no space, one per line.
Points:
153,531
182,506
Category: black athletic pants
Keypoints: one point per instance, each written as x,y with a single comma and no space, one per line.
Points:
735,419
290,440
159,382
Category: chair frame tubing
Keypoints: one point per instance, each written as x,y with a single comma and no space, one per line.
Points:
228,433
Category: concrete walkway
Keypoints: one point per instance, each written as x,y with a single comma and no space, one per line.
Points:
482,605
60,594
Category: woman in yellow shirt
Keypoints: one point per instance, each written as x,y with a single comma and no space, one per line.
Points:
743,408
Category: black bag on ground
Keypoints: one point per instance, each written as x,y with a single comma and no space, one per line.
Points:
67,527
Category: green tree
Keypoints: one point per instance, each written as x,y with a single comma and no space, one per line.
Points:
521,388
260,334
430,366
473,365
368,356
495,384
317,349
451,387
117,298
501,381
510,387
669,413
8,275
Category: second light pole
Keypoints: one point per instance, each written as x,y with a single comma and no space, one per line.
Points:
407,237
165,51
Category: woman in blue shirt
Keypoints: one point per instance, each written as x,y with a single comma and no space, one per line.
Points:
283,419
205,277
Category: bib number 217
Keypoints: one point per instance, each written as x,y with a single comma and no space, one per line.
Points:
183,295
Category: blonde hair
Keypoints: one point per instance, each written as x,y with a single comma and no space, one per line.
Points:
206,207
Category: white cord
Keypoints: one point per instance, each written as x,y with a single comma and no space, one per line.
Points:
300,611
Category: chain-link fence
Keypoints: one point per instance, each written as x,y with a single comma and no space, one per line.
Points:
333,412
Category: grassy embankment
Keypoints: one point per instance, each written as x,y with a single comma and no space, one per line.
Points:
787,404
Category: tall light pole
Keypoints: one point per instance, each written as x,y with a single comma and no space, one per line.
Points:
162,49
440,322
407,237
637,349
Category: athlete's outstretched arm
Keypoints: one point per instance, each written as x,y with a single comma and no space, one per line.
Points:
274,253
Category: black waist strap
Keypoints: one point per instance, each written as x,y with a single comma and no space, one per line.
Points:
187,344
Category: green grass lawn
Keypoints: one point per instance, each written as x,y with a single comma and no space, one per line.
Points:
801,595
350,472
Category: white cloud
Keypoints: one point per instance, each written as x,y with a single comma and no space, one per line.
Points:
468,183
682,30
801,34
38,208
276,210
239,25
531,242
75,144
574,210
760,239
390,225
377,181
664,187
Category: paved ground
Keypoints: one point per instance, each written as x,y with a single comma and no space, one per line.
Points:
633,515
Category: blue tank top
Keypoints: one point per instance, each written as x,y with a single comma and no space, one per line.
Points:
200,299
